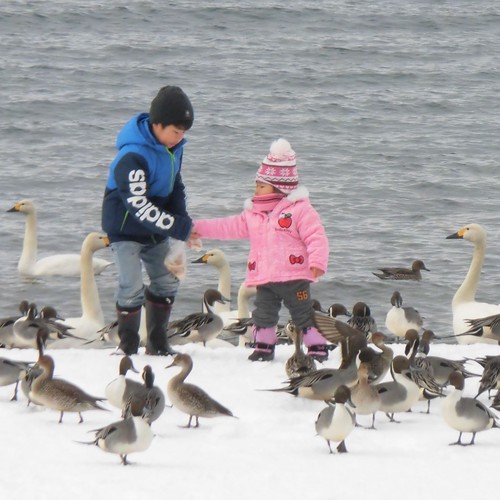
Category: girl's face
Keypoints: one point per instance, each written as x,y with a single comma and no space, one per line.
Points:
169,136
263,188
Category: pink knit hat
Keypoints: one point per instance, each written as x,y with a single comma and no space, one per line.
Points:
279,168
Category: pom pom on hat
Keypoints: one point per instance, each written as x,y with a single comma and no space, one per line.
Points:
172,106
279,168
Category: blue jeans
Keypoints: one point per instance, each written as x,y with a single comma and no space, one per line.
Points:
129,257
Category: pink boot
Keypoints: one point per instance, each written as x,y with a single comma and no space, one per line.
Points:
316,344
264,341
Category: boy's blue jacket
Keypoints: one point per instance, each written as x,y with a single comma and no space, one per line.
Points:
145,198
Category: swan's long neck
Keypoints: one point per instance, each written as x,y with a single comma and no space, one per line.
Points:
89,293
467,290
224,288
244,294
30,246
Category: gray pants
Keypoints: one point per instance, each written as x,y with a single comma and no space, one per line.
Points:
295,295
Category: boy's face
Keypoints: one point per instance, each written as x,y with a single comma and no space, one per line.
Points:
263,188
168,136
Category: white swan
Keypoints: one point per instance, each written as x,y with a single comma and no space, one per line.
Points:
217,258
54,265
464,305
92,318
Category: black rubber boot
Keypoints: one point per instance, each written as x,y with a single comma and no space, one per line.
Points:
157,315
129,320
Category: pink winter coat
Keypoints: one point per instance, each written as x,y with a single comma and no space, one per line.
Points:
284,243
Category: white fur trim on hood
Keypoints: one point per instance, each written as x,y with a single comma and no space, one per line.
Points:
297,194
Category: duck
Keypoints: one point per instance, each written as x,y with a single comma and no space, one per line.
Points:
150,397
400,319
464,305
465,414
321,384
299,363
337,309
403,273
34,370
364,395
400,394
381,361
487,327
92,319
422,372
336,331
132,434
11,372
59,394
55,265
362,319
202,326
7,325
189,398
217,258
441,367
120,389
490,379
26,328
337,420
496,402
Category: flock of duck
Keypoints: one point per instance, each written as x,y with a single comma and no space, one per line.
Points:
370,378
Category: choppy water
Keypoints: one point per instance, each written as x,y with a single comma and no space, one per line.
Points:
392,107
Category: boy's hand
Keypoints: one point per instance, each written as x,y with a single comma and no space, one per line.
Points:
194,241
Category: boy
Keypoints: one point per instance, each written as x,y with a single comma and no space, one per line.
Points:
144,205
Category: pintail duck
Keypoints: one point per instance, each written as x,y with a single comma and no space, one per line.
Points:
496,402
190,398
120,390
465,414
337,309
202,326
441,367
7,325
490,379
11,372
487,327
362,320
422,372
400,394
336,331
402,273
34,371
299,363
337,420
25,329
364,395
464,305
133,434
60,265
381,361
150,397
59,394
400,319
322,384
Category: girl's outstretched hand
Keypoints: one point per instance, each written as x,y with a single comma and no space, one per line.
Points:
316,272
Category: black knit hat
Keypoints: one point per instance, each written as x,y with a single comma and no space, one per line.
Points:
172,106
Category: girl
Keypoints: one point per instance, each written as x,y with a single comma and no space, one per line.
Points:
288,250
